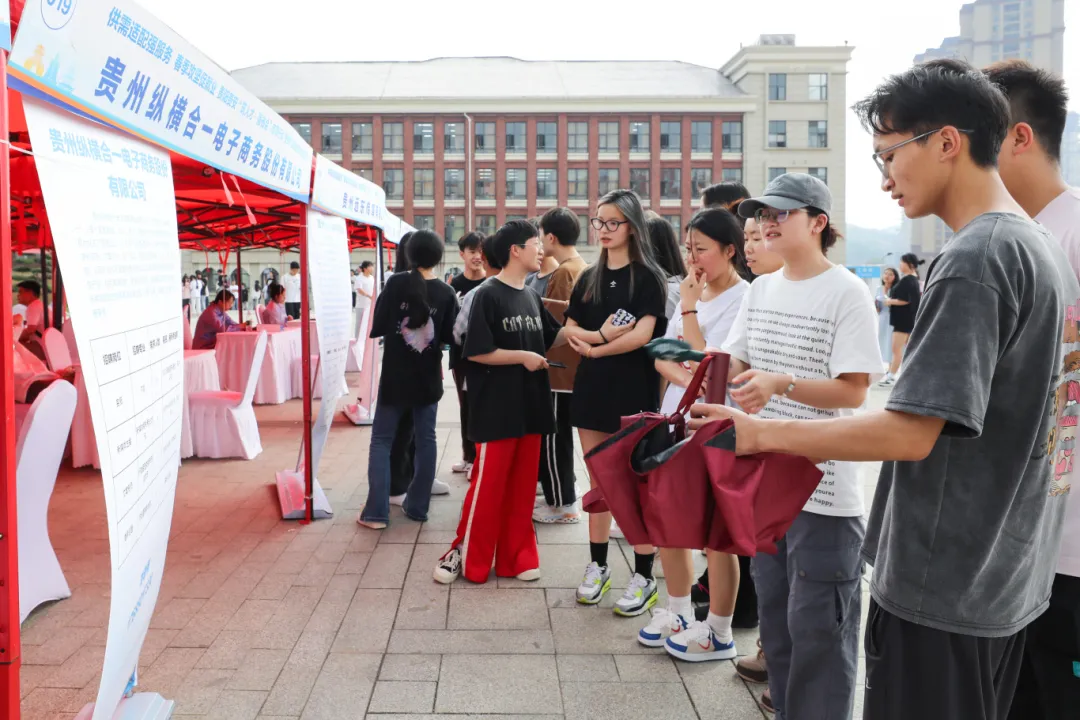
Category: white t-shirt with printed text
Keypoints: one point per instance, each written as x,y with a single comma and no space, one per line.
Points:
818,329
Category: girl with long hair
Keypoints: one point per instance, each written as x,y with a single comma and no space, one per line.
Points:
415,315
889,276
903,302
616,378
666,249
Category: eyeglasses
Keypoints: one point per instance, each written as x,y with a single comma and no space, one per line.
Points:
534,245
611,225
877,157
772,215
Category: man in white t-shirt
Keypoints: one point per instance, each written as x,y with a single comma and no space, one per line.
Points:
196,295
30,295
364,287
292,290
1030,166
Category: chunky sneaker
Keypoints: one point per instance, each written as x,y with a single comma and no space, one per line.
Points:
753,669
616,532
699,643
664,624
548,514
438,487
529,575
596,582
398,500
462,468
449,567
641,594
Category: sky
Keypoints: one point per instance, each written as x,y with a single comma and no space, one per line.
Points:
241,34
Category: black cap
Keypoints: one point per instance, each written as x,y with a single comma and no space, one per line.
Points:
791,191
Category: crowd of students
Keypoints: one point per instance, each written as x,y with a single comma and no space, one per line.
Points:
975,595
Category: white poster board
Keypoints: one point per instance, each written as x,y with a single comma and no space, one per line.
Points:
340,192
114,230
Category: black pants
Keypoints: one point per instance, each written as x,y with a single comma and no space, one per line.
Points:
1049,687
401,456
746,599
293,310
468,449
354,299
557,456
913,671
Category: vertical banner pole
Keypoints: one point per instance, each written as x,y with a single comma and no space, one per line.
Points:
9,550
305,340
239,285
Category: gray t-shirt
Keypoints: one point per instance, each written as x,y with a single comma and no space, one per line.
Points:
966,540
538,282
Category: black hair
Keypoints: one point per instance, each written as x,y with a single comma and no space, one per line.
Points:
31,285
563,224
896,274
936,94
514,232
274,290
224,295
294,265
665,247
830,235
470,241
401,258
639,247
488,248
912,261
365,265
425,251
722,227
1036,97
724,194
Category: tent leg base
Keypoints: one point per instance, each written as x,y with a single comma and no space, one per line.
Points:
141,706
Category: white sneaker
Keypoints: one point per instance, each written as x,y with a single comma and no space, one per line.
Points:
596,582
699,643
438,487
529,575
539,490
616,532
548,514
398,500
449,568
462,468
664,624
641,594
888,380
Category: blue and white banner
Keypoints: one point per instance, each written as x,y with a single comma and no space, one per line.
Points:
5,26
113,61
339,192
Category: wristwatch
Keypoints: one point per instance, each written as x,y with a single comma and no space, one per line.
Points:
790,388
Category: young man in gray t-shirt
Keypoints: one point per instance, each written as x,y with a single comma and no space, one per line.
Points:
964,529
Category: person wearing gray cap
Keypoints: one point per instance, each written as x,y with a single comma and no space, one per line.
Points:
805,345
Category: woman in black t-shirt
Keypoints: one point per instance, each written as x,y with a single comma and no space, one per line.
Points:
903,302
616,378
415,314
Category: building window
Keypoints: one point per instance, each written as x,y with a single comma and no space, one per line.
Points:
819,86
732,175
701,137
609,137
776,172
639,137
777,86
453,228
547,183
577,183
514,217
777,133
304,129
583,237
393,182
423,138
485,184
676,222
331,138
608,180
361,138
454,138
366,173
820,173
423,222
732,136
670,137
671,184
639,182
547,137
516,183
393,137
577,137
485,137
486,224
515,137
700,178
423,184
819,134
454,184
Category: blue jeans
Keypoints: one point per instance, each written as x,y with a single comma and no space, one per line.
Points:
383,429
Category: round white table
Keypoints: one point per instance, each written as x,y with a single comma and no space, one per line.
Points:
200,373
275,384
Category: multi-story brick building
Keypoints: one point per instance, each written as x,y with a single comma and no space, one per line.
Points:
464,143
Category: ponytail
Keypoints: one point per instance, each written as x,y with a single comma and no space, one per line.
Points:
416,298
425,251
830,235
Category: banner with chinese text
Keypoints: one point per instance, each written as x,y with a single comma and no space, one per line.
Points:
340,192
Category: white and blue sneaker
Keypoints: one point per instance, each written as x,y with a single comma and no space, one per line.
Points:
664,624
699,643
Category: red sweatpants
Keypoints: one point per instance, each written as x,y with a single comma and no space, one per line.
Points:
496,519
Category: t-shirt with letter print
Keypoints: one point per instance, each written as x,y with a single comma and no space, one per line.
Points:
965,541
814,329
508,401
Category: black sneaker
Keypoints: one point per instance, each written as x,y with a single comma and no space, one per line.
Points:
699,593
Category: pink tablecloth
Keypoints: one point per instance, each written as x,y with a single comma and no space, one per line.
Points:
275,386
314,333
200,373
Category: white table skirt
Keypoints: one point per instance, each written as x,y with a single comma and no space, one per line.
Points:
200,373
275,386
